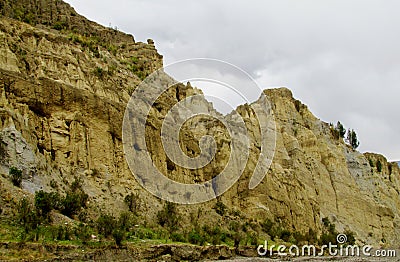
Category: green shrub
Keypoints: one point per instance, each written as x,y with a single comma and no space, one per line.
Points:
217,236
297,237
137,67
311,236
351,240
177,237
196,238
83,233
275,232
371,163
59,25
285,235
112,49
69,205
329,232
99,72
74,200
252,238
91,43
16,176
62,233
168,217
379,166
118,235
134,60
125,221
145,233
27,215
267,226
237,238
76,39
45,202
327,238
220,208
105,224
326,222
213,235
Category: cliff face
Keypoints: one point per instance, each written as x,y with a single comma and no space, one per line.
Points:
58,15
64,89
315,176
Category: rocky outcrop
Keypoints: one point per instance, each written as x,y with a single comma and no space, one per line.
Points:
63,96
315,176
57,15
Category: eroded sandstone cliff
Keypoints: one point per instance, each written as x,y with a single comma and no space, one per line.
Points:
64,86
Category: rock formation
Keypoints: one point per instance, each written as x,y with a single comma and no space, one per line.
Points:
64,86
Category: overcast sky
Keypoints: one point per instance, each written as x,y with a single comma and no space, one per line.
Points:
339,57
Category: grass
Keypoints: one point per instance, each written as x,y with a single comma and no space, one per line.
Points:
15,245
9,231
140,239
